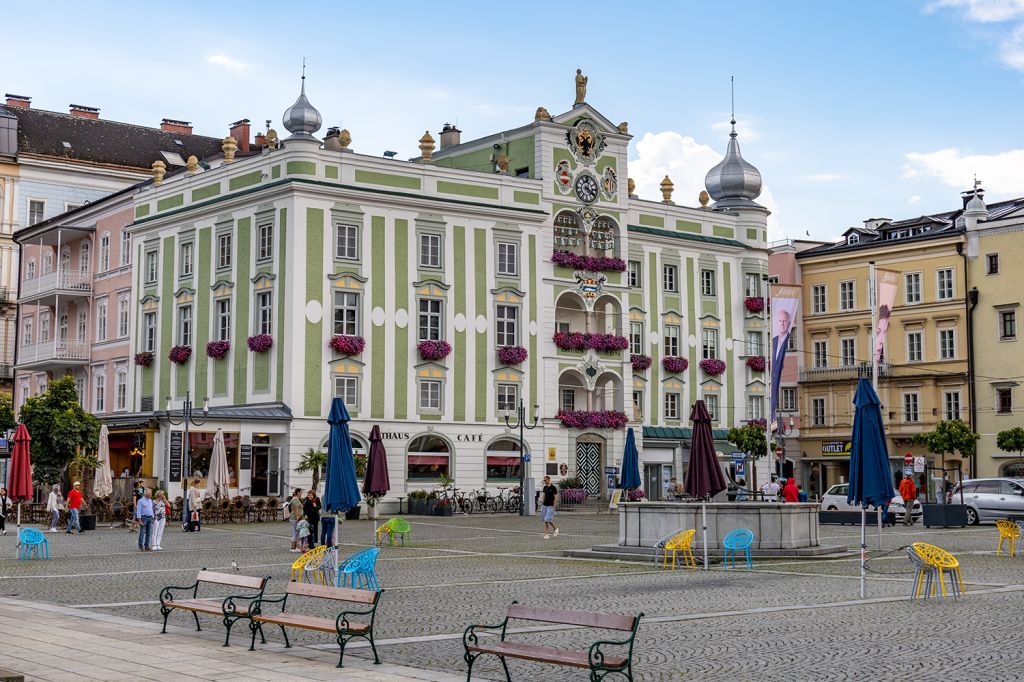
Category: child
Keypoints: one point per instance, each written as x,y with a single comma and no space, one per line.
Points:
303,528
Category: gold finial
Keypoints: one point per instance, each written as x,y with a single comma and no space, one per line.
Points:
542,115
344,139
426,146
704,198
581,87
631,187
192,165
273,141
159,171
624,128
229,147
502,161
666,190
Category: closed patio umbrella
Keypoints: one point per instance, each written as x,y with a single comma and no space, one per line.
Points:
218,478
19,483
704,476
103,485
376,483
630,463
341,490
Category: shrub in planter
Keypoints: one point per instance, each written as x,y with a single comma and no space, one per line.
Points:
674,365
442,508
260,343
573,495
512,355
179,355
217,349
756,363
417,501
434,350
144,359
712,366
641,363
347,345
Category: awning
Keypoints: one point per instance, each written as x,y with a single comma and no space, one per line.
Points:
428,459
502,461
676,433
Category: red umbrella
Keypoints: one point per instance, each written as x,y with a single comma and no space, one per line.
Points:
19,487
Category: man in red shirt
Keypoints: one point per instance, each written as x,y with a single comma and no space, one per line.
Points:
74,504
908,491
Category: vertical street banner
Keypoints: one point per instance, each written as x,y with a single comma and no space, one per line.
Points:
886,281
785,300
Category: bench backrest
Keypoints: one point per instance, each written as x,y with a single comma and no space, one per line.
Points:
335,593
588,619
232,579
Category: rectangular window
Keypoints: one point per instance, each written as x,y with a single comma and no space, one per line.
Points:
912,287
1004,401
638,405
846,300
508,397
636,338
672,340
634,273
915,347
430,395
820,354
121,391
911,412
755,407
671,406
265,312
36,209
709,343
44,327
430,251
562,327
951,405
817,411
818,294
430,327
152,270
707,283
347,388
101,320
346,313
149,332
1007,325
668,276
791,346
224,251
755,343
947,344
100,393
508,259
265,242
568,399
789,399
711,402
82,317
507,325
753,284
945,283
28,331
849,351
185,260
224,319
122,318
347,242
104,254
126,246
992,264
185,325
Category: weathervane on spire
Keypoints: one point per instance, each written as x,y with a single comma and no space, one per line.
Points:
732,98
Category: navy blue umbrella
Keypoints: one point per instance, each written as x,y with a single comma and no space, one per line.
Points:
341,491
630,463
870,476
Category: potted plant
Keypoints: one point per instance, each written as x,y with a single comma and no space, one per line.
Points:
83,466
417,501
443,508
217,350
179,355
430,503
571,491
314,461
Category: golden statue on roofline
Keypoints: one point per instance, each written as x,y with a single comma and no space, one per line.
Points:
581,87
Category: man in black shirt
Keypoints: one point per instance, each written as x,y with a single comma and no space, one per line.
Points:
549,494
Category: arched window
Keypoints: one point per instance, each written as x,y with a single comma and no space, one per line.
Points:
63,327
48,262
1013,470
503,460
104,263
429,457
360,450
65,259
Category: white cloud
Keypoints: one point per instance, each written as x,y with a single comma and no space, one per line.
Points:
227,62
914,200
1011,44
746,129
822,177
686,162
1000,173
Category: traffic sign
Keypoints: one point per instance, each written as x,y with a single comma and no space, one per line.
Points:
778,452
908,458
919,465
526,456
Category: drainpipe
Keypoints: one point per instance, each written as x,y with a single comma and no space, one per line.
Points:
970,303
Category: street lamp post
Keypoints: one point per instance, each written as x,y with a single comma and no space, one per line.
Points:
521,417
186,419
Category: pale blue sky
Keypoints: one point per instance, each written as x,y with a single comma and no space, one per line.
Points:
850,110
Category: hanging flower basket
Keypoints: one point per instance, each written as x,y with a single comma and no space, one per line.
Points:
348,345
712,366
759,423
217,349
590,263
434,350
582,419
179,355
635,495
756,363
144,359
641,363
602,343
512,355
674,365
260,343
753,304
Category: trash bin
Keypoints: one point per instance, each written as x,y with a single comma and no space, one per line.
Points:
87,521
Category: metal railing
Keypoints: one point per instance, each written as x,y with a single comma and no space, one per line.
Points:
78,281
841,372
53,350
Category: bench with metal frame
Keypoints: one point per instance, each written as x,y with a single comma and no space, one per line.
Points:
231,608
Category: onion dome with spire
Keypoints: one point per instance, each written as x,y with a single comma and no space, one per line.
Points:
734,183
302,119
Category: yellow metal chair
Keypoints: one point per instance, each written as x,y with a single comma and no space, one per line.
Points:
304,558
680,544
944,563
1008,531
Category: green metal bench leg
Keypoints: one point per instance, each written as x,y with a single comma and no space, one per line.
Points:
469,662
508,677
166,612
253,627
228,622
341,656
287,644
196,616
373,646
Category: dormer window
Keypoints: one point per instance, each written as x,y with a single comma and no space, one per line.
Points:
853,239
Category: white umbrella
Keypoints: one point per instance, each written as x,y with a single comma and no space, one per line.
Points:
218,478
103,485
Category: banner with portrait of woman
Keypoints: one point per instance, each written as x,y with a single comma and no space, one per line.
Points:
785,302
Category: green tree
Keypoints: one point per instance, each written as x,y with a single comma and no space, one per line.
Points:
60,429
1011,440
948,438
7,420
750,439
314,461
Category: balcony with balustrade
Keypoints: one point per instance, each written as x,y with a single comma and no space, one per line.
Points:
842,372
53,354
45,288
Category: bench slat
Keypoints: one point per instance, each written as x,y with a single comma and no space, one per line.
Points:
336,593
214,606
299,620
590,619
544,654
231,579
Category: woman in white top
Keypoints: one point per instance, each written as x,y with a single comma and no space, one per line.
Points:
195,506
161,510
54,503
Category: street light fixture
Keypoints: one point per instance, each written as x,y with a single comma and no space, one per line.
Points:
521,418
186,419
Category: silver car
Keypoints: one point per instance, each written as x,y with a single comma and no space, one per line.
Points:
988,499
834,499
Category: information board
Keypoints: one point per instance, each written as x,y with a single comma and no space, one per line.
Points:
245,457
175,457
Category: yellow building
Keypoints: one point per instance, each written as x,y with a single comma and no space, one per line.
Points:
995,252
922,377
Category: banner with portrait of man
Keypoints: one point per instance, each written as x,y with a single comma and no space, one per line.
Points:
886,282
785,302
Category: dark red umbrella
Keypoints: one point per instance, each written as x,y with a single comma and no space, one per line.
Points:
704,477
19,486
376,482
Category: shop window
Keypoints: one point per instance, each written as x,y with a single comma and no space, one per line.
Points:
200,450
429,457
503,460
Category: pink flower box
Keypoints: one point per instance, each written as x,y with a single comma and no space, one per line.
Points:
348,345
144,359
217,349
641,363
179,355
512,355
712,366
756,363
589,263
753,304
602,343
260,343
434,350
674,365
582,419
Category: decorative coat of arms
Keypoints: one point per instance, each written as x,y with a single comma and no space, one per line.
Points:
589,284
585,142
609,182
563,177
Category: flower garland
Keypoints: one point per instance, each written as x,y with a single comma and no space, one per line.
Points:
582,419
144,359
590,263
756,363
712,366
260,343
512,355
602,343
347,345
434,350
217,349
753,304
641,363
674,365
179,355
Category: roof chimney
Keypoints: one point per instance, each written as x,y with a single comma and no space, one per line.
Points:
240,131
169,125
875,223
450,136
84,111
19,101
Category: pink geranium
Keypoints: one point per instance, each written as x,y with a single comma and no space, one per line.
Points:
217,349
589,263
348,345
754,304
674,365
512,355
144,359
712,366
260,343
756,363
602,343
601,419
434,350
641,363
179,355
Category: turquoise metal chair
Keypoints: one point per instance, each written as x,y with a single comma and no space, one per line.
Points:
738,540
360,570
30,542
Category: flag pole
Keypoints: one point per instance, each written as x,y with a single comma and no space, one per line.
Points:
873,304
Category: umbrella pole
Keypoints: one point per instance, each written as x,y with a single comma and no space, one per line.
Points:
704,526
863,550
19,515
879,511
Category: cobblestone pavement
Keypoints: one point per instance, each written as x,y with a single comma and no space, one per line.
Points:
797,618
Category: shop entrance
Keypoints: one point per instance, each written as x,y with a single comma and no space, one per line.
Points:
588,466
266,471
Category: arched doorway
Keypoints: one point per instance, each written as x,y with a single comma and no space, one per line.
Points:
1012,469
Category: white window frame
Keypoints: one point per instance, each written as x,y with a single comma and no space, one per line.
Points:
426,320
121,390
152,266
709,343
636,338
85,257
755,343
185,330
669,278
912,292
26,331
633,278
506,325
711,402
348,304
28,211
102,313
346,387
991,259
755,407
222,316
507,256
788,396
671,410
265,312
506,397
911,408
104,263
1008,392
819,299
847,295
430,395
186,259
638,404
848,351
265,241
752,281
63,326
346,241
947,293
947,344
30,268
149,331
1003,316
82,325
126,246
708,282
919,336
951,399
224,245
123,317
431,250
44,326
819,412
567,399
99,392
819,354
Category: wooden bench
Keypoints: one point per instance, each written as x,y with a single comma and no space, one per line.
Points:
228,608
344,629
595,658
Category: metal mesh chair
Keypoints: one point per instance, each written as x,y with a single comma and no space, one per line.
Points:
738,540
1009,532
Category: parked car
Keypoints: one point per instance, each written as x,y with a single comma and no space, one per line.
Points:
834,499
988,499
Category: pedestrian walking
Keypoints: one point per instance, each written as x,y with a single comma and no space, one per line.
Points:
311,510
294,516
161,510
5,505
770,490
54,503
74,505
549,496
741,490
791,493
302,528
908,491
144,515
195,507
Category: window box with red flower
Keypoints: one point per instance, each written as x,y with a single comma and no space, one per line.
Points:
260,343
434,350
144,359
347,345
641,363
512,355
579,341
674,365
588,263
753,304
217,349
712,366
599,419
756,363
179,355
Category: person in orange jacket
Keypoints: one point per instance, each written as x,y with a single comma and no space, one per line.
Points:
908,491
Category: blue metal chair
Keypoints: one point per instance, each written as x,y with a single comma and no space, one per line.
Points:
30,540
736,541
360,568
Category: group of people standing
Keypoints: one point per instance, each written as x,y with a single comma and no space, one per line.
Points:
306,520
55,504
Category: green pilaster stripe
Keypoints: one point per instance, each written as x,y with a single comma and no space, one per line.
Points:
261,371
314,292
694,354
532,294
181,375
656,353
402,301
459,301
202,310
378,276
167,324
220,373
728,398
480,268
279,348
243,266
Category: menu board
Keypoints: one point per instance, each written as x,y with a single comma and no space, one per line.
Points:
175,457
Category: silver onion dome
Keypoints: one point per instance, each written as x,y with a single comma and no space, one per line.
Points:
302,119
733,183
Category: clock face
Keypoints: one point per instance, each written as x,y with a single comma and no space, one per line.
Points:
586,188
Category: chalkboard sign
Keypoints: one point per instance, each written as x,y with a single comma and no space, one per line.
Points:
245,458
175,473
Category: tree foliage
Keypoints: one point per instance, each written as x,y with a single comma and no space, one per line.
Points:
750,439
7,420
314,461
949,437
60,429
1011,440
